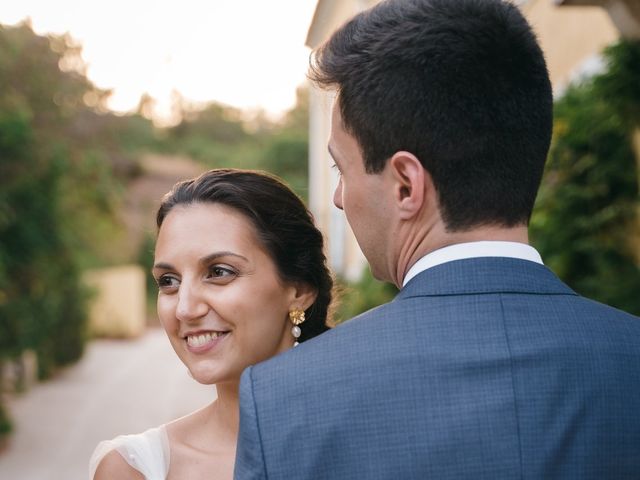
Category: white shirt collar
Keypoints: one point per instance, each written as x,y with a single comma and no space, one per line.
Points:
473,250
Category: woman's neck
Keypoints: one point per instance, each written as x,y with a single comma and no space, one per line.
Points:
205,440
226,411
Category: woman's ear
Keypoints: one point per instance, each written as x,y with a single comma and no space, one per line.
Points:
409,183
303,295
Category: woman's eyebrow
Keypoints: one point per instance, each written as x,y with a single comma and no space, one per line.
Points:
203,261
163,266
214,256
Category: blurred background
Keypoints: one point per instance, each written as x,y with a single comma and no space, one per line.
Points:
102,111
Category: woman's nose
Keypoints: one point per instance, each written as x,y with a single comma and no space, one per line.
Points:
191,304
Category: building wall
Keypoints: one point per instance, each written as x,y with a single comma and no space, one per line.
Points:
345,257
570,36
118,305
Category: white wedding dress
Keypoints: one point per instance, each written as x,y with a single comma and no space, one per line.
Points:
147,452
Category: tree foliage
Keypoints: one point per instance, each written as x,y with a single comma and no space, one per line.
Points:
221,136
586,219
32,162
354,298
57,194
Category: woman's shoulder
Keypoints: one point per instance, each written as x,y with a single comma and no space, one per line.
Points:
140,456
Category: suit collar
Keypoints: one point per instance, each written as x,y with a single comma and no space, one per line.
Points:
485,275
460,251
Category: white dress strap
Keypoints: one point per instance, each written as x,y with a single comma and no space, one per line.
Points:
147,452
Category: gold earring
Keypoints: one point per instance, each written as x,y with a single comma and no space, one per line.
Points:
297,318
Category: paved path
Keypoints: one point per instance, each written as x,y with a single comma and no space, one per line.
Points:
120,386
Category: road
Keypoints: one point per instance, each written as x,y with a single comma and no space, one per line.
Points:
120,386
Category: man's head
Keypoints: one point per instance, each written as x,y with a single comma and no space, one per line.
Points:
461,85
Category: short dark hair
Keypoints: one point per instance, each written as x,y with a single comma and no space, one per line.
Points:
283,225
461,84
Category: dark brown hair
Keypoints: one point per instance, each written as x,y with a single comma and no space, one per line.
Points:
283,224
461,84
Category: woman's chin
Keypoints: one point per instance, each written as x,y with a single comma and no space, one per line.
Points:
204,378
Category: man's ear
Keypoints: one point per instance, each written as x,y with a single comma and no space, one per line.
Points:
410,182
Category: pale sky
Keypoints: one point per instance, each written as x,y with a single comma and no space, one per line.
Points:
245,53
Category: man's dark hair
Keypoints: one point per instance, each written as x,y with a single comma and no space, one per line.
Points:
461,84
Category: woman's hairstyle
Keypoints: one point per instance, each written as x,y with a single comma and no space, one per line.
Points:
283,225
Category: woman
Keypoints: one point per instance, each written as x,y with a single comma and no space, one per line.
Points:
242,277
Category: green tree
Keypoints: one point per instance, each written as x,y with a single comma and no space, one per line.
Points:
57,194
585,221
214,135
42,299
221,136
286,147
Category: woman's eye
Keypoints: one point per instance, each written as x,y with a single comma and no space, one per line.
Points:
335,167
167,281
221,272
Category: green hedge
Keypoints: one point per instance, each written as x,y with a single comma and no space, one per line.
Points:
586,223
364,294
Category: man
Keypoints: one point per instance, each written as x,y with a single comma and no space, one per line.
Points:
485,366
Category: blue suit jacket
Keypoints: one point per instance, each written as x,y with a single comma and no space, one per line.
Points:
488,368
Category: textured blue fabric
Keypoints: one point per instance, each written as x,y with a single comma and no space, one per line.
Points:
487,368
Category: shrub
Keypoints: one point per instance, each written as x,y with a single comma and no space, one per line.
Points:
585,222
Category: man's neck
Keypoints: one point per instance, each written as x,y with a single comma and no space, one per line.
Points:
436,238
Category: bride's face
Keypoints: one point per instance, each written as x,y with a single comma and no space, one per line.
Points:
220,299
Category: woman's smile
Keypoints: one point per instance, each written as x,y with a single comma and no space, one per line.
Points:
203,341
